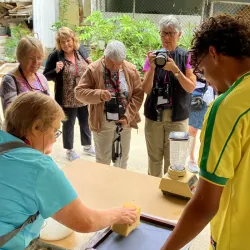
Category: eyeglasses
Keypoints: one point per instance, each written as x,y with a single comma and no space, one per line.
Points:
35,59
196,70
57,133
170,34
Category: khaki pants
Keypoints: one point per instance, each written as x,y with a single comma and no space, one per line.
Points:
104,140
157,141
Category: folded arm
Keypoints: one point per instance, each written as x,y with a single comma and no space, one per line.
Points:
85,91
136,99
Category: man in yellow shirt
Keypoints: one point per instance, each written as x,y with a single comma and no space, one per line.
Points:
221,50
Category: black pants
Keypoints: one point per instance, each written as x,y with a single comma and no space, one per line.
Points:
68,126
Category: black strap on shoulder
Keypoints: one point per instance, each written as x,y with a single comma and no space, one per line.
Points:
7,237
7,146
4,148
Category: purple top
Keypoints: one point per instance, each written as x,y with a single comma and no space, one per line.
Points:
10,89
147,64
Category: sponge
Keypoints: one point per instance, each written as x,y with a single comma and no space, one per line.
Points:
126,229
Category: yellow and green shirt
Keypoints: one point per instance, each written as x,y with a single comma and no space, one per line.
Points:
225,161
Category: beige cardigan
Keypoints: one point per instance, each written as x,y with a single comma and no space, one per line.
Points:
91,85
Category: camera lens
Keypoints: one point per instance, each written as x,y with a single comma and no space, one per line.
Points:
161,60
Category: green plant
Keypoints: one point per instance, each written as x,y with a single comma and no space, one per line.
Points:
63,10
187,37
139,36
11,42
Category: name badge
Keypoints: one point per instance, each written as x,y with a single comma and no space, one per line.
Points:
161,100
112,116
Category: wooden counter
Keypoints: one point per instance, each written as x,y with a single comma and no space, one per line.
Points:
102,187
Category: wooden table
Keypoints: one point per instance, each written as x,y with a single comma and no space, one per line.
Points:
102,187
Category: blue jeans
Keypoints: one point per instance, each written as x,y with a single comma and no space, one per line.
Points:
196,118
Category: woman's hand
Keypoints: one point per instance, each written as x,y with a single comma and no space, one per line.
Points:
105,95
171,66
124,215
59,66
123,121
151,59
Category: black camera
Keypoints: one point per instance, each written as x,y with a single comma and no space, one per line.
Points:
114,109
164,93
161,58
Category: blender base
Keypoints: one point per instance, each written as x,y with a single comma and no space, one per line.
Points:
166,193
179,183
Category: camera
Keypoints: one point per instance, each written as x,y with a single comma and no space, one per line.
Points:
161,58
114,109
164,93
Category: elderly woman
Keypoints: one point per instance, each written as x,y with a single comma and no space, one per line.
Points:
25,77
168,82
30,181
65,66
112,88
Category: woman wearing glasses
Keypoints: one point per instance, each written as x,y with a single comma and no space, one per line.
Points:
31,183
24,77
168,86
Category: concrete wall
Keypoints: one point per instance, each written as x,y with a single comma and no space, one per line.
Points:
73,12
86,8
45,13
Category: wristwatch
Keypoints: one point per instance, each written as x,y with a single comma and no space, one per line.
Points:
177,73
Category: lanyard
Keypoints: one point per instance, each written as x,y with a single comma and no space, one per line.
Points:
115,84
166,80
26,141
28,84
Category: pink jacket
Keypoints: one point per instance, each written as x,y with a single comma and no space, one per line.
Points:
91,85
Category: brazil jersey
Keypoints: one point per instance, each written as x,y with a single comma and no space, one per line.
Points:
224,160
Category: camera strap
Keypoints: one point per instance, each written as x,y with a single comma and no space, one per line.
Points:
114,110
164,93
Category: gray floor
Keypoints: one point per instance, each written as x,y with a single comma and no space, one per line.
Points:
137,162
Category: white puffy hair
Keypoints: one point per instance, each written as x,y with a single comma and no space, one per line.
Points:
116,51
170,20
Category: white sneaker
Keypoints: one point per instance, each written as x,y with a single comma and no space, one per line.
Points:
89,150
72,155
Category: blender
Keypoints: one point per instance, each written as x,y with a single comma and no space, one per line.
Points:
178,181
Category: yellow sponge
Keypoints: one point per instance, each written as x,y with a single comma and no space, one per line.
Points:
126,229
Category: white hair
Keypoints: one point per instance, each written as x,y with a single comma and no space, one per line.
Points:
170,20
116,51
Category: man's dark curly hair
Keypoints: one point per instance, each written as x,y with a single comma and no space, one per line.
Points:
229,35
